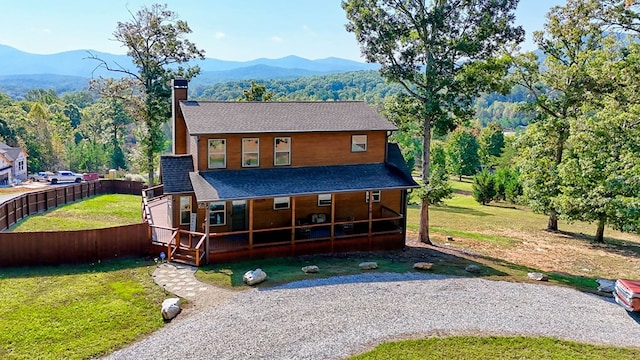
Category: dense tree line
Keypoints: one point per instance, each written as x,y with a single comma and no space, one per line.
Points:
574,104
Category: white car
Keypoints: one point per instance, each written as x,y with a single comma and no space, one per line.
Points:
40,176
62,176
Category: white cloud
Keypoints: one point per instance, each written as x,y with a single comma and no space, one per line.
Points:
276,38
220,35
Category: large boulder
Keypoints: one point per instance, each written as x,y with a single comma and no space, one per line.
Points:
538,276
311,269
368,265
423,266
170,308
253,277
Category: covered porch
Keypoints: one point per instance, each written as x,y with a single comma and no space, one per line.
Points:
295,211
270,212
380,230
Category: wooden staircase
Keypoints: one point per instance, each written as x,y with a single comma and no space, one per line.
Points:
183,250
186,247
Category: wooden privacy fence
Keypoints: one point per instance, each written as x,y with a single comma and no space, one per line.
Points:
73,247
23,205
69,247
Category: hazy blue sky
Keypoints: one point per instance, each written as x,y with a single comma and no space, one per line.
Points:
225,29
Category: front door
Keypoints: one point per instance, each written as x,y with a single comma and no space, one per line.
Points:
238,215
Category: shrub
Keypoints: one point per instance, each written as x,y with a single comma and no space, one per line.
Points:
484,187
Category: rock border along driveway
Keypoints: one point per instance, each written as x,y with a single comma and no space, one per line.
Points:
341,316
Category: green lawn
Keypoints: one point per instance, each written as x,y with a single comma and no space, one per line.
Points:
480,348
76,312
463,214
97,212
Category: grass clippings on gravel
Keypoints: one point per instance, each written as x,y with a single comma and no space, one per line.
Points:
76,312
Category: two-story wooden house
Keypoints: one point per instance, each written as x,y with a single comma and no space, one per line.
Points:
265,179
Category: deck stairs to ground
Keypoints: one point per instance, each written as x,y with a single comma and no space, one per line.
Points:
182,246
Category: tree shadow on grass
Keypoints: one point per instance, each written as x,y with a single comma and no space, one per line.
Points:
60,270
611,245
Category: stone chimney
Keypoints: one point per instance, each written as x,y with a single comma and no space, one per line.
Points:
179,88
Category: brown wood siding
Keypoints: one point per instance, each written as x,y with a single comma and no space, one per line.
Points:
265,217
307,149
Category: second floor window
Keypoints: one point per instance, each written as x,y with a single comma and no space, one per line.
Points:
217,153
358,143
250,152
282,149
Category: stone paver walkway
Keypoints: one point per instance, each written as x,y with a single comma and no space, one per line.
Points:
180,280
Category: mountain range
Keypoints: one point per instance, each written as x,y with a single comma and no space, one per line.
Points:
26,70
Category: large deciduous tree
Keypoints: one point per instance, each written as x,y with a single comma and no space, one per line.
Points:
559,86
155,39
441,52
600,178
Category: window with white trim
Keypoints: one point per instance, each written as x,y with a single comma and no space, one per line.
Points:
282,151
185,210
217,153
375,194
250,152
358,143
281,203
217,213
324,199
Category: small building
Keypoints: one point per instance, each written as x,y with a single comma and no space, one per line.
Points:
267,179
13,164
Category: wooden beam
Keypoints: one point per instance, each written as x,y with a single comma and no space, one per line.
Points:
370,218
250,226
333,219
206,231
293,224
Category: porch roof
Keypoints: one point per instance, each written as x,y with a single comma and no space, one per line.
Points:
277,182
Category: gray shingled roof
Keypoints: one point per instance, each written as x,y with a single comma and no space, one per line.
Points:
175,173
233,117
274,182
395,158
11,153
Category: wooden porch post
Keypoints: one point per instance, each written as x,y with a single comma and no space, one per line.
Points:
293,224
333,219
207,246
250,227
370,217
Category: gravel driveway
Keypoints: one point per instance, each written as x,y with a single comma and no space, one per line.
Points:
337,317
